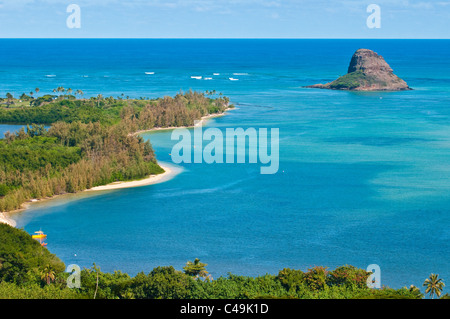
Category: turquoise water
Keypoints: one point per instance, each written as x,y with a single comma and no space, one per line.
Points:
363,178
9,128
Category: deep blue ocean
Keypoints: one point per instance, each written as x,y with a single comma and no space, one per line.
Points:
364,178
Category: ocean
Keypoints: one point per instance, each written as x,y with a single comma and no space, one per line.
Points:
363,176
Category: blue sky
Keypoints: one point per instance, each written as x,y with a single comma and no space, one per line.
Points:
224,19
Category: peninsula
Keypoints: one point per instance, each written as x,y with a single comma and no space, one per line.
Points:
367,71
91,143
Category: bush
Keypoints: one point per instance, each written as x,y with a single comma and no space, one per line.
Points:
291,279
161,283
316,278
23,259
348,276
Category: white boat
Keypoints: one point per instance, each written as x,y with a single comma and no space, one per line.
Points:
207,79
196,77
233,79
216,73
149,72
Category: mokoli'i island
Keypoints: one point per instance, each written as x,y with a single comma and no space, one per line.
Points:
367,71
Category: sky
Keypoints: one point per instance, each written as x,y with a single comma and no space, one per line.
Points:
225,19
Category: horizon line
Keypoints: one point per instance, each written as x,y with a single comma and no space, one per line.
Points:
206,38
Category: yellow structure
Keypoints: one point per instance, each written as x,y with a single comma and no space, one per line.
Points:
40,236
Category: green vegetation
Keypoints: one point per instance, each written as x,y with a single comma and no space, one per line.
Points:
90,141
29,271
22,259
350,81
141,114
68,158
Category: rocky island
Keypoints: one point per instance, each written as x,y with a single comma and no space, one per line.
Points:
367,71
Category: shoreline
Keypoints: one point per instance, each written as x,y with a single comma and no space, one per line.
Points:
5,219
169,173
202,120
152,179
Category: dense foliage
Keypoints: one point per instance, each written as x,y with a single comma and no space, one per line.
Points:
70,157
22,259
180,110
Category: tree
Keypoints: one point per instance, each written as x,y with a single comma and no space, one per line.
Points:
434,285
196,269
10,98
415,291
316,278
37,91
48,274
291,279
79,92
99,97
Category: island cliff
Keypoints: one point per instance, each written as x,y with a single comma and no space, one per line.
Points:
367,71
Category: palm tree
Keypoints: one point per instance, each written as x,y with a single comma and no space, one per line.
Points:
48,274
99,97
196,269
79,92
434,285
60,90
37,91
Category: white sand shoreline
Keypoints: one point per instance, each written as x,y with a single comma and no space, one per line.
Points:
152,179
202,120
169,173
4,219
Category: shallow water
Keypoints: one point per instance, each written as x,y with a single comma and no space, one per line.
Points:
363,178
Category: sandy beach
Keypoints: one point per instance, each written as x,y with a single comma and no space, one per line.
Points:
201,122
6,220
169,173
152,179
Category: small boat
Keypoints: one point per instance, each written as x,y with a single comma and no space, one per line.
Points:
196,77
39,235
216,73
207,78
149,72
233,79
